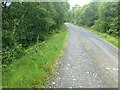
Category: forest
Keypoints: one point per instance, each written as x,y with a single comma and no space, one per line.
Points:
34,35
25,24
102,17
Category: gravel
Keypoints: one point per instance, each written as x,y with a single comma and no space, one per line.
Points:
88,62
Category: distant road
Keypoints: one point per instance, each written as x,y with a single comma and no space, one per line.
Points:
88,62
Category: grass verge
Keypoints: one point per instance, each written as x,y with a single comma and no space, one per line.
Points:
113,40
37,67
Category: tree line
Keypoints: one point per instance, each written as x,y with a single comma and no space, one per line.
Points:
26,23
102,17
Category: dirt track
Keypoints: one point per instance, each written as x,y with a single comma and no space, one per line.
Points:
88,62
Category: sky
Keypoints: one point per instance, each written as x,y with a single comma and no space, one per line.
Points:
78,2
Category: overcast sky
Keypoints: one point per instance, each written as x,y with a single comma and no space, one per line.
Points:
79,2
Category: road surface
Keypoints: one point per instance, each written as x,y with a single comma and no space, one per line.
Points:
88,62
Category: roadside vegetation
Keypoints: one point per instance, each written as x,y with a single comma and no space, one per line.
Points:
33,36
100,18
38,66
109,38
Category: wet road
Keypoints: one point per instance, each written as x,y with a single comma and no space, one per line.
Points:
88,62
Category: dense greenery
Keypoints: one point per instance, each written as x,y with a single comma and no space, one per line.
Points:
102,17
37,67
25,24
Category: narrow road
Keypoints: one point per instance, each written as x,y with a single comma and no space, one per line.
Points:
88,62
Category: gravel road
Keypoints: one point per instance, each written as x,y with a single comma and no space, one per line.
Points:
88,62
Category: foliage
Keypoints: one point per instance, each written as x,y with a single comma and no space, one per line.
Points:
26,23
37,67
102,17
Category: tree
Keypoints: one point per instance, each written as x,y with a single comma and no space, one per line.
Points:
102,16
27,22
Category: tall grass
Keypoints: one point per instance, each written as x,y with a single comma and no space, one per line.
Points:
37,67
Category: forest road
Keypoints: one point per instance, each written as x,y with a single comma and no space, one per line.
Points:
88,62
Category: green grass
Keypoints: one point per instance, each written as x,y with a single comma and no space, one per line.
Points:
113,40
38,66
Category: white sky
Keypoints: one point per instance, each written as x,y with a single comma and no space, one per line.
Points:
78,2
